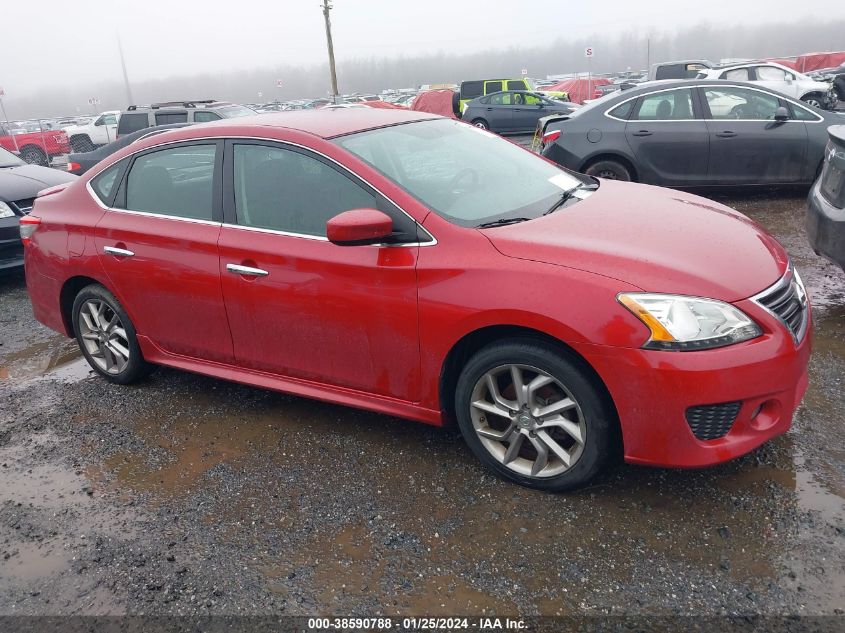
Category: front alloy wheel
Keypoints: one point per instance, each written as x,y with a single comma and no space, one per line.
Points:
527,420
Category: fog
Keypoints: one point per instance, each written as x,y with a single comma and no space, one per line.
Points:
233,51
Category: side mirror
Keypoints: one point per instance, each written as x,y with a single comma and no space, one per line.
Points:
359,227
781,114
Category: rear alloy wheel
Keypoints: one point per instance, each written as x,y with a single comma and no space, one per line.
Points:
106,336
533,416
609,170
34,156
481,123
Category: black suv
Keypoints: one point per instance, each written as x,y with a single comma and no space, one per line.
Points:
137,118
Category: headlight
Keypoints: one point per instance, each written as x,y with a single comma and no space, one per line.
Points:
6,211
689,323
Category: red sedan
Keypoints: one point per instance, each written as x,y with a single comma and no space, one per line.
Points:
420,267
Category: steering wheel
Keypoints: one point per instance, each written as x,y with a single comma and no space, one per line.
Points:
468,174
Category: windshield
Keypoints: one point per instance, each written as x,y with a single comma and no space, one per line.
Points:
233,111
7,159
465,174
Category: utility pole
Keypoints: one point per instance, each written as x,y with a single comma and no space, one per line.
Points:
125,75
326,8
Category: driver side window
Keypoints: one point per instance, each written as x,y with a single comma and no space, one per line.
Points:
741,103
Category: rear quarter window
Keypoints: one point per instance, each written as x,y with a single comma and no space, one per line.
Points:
132,122
105,183
623,111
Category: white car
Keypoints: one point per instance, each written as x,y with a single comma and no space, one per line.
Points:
777,77
101,130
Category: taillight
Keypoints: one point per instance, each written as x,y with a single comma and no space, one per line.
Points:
72,167
28,224
551,137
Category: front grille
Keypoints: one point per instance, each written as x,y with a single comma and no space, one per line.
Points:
712,421
787,300
25,205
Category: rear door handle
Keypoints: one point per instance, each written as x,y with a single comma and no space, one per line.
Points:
237,269
641,133
726,134
489,109
117,252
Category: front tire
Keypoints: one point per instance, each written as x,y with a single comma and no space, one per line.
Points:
107,337
481,123
534,415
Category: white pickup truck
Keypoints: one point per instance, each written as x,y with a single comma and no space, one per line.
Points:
101,130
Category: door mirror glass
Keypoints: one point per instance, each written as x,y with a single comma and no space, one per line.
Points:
781,114
358,227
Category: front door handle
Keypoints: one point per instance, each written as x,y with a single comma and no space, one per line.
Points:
641,133
237,269
117,252
726,134
489,109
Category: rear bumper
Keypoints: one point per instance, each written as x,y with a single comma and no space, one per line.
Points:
561,156
652,391
825,227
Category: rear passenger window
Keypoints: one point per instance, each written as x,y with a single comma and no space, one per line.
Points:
287,191
665,106
104,184
176,181
165,118
202,117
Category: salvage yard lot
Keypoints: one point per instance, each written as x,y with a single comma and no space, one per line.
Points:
190,495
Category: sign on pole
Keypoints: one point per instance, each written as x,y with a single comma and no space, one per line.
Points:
94,101
524,72
588,52
278,83
260,94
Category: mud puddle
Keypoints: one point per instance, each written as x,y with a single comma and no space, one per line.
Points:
58,358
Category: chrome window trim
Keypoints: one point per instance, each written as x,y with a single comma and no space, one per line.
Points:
430,242
786,280
818,119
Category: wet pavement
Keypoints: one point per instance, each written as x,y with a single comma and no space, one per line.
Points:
190,495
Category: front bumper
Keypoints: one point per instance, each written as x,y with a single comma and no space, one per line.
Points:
652,391
825,227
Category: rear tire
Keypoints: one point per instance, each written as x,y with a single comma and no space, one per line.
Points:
481,123
609,170
107,337
34,156
578,419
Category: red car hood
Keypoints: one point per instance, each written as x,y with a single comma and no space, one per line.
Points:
659,240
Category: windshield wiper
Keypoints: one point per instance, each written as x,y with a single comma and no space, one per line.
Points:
501,222
567,195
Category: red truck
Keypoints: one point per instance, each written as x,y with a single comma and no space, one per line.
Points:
36,148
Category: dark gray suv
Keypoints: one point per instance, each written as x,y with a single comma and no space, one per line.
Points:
697,133
826,203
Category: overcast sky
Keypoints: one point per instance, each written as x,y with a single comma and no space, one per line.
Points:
181,37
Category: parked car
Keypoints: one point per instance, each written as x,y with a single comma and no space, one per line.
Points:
139,117
470,90
35,148
87,136
78,164
19,184
826,204
693,134
420,275
777,77
513,112
686,69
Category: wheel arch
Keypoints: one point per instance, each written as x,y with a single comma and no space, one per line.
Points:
618,157
71,288
477,339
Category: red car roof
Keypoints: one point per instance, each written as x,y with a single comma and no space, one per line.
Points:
329,123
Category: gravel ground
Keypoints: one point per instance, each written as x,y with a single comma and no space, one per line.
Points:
189,495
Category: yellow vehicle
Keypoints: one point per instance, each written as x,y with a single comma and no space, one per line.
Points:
481,87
